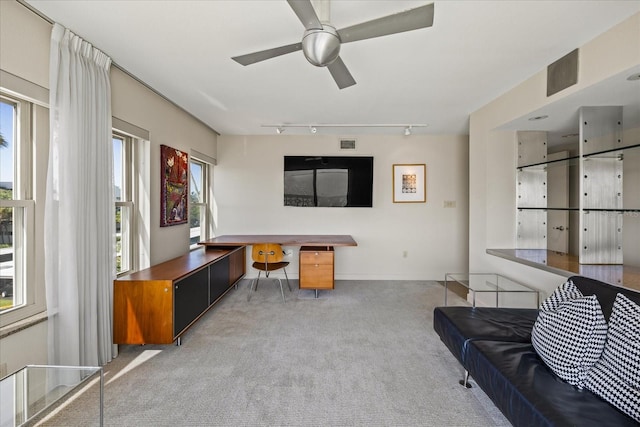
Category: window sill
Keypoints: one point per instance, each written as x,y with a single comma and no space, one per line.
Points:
22,324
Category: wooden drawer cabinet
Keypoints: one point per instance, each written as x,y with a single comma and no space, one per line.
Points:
316,267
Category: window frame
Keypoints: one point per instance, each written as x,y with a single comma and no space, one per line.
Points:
126,202
203,205
24,235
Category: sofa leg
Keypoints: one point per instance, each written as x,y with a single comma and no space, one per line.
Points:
465,381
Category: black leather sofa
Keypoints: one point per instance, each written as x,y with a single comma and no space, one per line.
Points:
494,347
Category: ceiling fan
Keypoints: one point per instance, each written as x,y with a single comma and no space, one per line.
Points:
321,41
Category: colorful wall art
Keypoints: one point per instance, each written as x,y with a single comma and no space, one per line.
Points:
174,169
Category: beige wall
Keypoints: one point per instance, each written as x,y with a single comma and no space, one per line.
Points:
249,199
167,125
492,157
24,52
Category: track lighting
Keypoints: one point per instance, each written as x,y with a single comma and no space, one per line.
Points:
313,127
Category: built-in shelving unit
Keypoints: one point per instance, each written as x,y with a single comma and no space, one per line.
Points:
578,201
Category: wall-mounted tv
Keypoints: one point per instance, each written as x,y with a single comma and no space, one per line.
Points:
328,181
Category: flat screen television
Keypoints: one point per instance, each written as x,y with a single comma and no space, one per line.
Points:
328,181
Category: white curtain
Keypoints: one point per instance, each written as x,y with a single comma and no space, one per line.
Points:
79,210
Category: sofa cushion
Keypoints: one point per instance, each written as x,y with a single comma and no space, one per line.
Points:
605,292
616,376
569,333
456,326
529,394
565,292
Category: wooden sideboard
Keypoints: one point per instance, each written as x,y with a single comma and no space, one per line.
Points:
158,304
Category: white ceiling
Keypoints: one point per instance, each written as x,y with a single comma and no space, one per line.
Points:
475,51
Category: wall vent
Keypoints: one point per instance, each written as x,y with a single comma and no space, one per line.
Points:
562,73
347,144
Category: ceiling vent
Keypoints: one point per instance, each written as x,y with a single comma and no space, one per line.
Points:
347,144
562,73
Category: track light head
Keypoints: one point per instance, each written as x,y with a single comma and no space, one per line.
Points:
313,129
279,130
407,131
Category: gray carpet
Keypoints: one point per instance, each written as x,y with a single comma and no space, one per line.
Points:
364,354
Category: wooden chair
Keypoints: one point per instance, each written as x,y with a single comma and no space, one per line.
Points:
268,257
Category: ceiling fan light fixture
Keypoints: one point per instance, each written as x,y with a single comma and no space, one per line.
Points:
321,47
321,41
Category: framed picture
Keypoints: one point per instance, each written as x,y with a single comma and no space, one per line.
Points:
174,179
410,183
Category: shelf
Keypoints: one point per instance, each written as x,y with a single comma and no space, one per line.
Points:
546,209
627,276
543,165
623,210
610,210
572,160
609,153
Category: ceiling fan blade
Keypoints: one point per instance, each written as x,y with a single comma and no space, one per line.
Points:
252,58
341,74
413,19
306,14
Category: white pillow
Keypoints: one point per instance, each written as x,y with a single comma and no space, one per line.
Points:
565,292
616,376
569,333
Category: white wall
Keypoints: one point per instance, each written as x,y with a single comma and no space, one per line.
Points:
24,52
248,189
167,125
492,158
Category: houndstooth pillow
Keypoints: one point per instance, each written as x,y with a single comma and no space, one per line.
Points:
569,333
616,376
565,292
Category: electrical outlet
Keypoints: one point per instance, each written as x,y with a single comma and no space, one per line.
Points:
449,203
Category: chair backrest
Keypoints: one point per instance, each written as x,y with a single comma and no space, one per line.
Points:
267,253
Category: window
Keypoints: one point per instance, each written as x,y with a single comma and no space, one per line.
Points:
16,206
198,198
123,195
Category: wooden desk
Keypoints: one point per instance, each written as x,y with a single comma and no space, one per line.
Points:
282,239
316,263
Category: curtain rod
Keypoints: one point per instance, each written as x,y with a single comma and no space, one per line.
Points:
119,67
